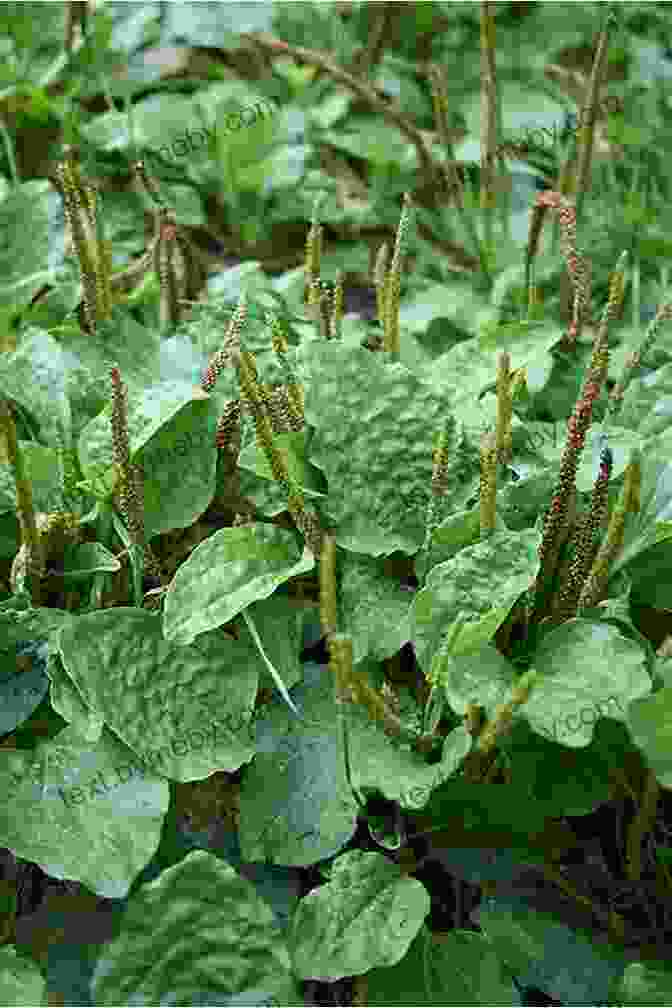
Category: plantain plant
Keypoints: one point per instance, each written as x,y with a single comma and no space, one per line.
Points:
341,457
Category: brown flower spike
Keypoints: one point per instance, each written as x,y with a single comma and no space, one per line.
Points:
555,524
130,477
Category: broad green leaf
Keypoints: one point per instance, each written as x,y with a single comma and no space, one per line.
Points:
21,689
42,469
647,401
179,463
520,502
459,302
450,536
267,496
279,623
133,347
462,590
245,139
21,982
543,952
184,710
485,678
19,621
67,700
35,375
172,436
649,573
380,764
157,119
459,968
649,721
461,814
218,26
373,141
621,443
569,782
367,915
648,527
97,796
109,132
464,370
226,573
375,424
309,813
80,561
330,110
24,242
375,609
292,448
586,670
523,107
644,983
232,951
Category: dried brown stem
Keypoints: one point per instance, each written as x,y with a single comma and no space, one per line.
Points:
369,93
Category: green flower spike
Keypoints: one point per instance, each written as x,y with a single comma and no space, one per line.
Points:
93,253
336,309
504,406
30,534
256,398
596,583
227,435
380,279
488,482
129,477
556,521
439,482
222,359
477,763
393,282
584,544
293,390
634,360
313,252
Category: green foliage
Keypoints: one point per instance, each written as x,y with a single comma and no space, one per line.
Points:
175,696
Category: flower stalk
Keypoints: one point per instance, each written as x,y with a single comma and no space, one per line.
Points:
336,308
488,114
393,281
293,390
596,582
436,77
257,399
80,204
439,483
76,17
477,763
25,509
584,543
577,267
380,280
504,406
586,141
634,360
313,259
129,476
556,521
180,274
223,358
488,483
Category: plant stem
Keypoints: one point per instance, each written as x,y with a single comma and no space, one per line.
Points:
30,534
